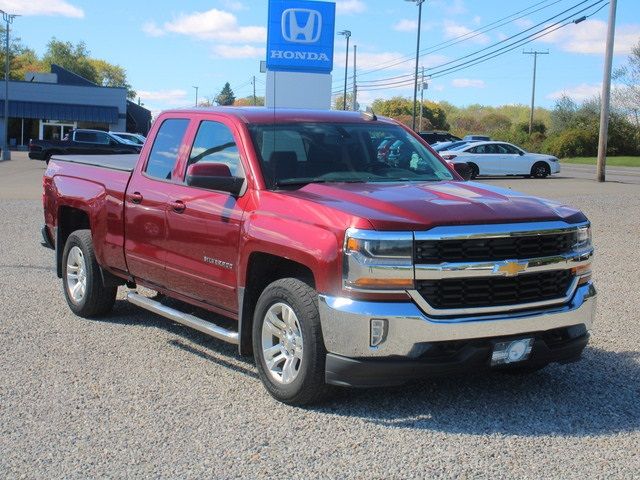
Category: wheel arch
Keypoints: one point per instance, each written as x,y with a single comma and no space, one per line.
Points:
262,269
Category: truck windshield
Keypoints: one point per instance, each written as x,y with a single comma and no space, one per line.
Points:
296,154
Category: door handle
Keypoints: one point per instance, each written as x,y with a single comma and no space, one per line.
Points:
135,197
177,206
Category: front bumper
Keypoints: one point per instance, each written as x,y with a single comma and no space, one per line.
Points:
410,334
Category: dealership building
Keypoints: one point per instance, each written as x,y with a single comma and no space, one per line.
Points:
47,106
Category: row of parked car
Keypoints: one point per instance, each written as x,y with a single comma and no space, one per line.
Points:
87,142
492,158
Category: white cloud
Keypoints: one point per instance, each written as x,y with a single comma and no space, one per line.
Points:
453,30
477,20
405,25
578,92
41,7
589,37
213,24
234,5
152,29
171,97
238,51
350,6
467,83
523,23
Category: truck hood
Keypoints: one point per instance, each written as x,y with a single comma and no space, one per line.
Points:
409,206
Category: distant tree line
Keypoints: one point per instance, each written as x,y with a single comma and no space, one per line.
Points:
569,129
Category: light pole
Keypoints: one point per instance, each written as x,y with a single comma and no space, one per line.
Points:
196,95
415,82
6,155
606,94
346,34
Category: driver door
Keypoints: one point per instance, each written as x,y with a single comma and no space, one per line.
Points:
203,226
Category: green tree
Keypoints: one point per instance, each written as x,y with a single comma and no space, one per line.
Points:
401,109
226,96
248,101
627,96
21,58
77,59
338,102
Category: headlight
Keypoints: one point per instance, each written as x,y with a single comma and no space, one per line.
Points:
583,238
378,261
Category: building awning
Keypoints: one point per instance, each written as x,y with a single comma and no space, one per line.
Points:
61,111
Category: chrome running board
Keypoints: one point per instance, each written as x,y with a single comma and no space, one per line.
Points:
183,318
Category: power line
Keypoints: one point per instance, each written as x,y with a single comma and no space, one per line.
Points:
461,38
475,61
379,81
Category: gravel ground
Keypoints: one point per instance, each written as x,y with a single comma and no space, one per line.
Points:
133,395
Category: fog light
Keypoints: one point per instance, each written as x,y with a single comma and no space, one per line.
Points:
511,352
378,331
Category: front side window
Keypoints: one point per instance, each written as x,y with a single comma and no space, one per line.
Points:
85,137
299,153
103,138
214,143
166,147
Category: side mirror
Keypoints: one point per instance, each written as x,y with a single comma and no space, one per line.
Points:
214,176
521,153
463,169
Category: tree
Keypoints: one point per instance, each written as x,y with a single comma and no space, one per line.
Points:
109,75
21,58
248,101
338,102
627,96
401,109
226,96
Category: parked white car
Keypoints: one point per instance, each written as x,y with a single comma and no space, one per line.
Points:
501,158
134,138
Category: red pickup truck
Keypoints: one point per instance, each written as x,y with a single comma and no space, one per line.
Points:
333,262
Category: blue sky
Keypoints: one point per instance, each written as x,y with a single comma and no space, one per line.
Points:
168,47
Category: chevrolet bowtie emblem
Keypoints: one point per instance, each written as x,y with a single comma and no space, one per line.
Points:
510,269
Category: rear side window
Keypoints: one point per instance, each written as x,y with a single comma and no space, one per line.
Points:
88,137
166,147
214,143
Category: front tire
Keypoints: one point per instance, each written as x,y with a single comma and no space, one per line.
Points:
475,171
84,287
287,342
540,170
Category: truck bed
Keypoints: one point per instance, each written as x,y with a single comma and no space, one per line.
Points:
125,163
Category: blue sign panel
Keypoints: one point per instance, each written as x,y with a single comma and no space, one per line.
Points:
300,36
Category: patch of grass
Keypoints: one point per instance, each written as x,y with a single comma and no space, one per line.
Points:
611,161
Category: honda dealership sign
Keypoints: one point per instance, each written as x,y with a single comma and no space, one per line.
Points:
300,36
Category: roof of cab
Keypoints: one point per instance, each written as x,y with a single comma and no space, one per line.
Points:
282,115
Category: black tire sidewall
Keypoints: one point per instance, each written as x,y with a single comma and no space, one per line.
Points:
475,171
313,348
534,170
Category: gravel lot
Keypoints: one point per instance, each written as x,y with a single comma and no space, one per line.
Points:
135,395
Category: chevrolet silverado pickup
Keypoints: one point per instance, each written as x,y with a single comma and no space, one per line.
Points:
285,232
82,142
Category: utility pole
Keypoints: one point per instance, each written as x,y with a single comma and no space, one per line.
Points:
606,94
196,95
355,87
415,78
535,54
347,35
253,81
6,155
423,85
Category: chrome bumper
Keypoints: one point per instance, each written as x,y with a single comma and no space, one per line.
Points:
346,324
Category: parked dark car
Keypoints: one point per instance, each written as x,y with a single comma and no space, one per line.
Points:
81,142
432,137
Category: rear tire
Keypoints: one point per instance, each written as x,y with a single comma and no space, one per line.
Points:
82,279
540,170
287,343
475,171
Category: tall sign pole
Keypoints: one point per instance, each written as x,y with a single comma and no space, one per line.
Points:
533,90
606,94
8,18
415,82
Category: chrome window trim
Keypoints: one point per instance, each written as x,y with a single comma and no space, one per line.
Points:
447,270
502,230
